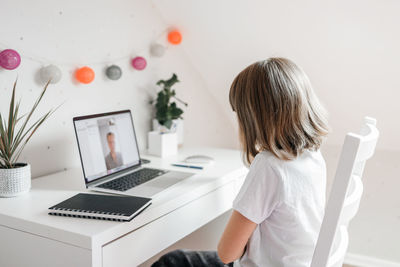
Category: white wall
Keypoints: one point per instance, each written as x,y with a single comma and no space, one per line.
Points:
348,48
74,33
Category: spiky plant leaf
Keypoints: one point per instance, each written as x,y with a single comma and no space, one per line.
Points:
21,132
13,141
11,121
37,125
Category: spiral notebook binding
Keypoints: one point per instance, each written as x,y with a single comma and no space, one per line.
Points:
91,216
86,217
89,211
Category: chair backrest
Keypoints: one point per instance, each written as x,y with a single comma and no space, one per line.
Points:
345,196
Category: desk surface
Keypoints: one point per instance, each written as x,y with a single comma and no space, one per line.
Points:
28,212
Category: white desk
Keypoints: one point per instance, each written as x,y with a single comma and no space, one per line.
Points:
31,237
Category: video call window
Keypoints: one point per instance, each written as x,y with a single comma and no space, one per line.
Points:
107,144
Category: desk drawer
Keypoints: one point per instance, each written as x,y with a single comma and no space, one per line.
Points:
21,249
138,246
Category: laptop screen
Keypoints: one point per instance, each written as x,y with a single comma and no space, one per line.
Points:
107,143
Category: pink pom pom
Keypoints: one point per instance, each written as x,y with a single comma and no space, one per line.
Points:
139,63
9,59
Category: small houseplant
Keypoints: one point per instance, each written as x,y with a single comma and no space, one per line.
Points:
168,124
15,133
166,110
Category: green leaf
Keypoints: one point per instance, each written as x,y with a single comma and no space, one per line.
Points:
37,123
168,124
34,127
166,111
2,145
4,138
170,82
17,119
11,121
11,144
18,141
20,135
176,113
162,99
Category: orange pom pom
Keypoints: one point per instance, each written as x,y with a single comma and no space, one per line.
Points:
174,37
84,75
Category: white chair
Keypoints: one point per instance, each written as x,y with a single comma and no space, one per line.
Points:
345,196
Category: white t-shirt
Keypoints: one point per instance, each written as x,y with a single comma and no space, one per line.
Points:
286,199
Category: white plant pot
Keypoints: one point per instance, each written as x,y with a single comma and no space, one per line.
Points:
162,144
177,126
16,181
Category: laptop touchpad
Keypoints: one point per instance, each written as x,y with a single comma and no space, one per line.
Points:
160,183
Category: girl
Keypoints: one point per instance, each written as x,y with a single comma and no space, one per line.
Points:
278,212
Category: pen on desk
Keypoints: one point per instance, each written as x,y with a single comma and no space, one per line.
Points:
187,166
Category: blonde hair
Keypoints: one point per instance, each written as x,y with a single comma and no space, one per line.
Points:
277,110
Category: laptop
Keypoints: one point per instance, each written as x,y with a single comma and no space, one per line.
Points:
110,157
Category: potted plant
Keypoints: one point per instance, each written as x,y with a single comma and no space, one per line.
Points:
15,133
168,123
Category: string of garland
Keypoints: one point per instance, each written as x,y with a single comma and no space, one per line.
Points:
10,59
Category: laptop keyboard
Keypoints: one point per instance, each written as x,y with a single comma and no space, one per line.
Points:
133,179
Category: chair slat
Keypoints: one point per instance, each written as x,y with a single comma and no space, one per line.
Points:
340,247
345,196
352,200
335,203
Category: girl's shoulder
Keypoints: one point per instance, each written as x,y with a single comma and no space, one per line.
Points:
265,163
266,158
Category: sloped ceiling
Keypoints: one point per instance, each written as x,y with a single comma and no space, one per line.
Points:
350,50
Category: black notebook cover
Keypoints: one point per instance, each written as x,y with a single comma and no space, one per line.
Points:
103,207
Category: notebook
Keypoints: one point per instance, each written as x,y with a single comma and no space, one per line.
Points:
101,207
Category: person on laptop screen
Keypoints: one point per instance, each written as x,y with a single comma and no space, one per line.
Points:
114,158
